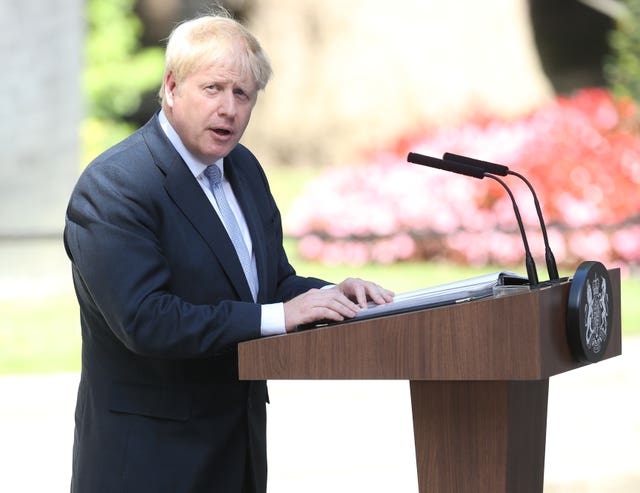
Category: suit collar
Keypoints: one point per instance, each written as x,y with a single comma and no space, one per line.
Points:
186,193
196,165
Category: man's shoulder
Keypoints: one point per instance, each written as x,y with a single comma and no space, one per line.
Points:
129,164
126,155
134,144
244,162
243,154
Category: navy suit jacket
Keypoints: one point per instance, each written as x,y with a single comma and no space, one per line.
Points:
163,304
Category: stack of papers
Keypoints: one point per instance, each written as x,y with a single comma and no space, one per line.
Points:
441,295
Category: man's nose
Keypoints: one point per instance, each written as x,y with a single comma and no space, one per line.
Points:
227,106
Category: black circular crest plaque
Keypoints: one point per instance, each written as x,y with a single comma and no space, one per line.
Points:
589,312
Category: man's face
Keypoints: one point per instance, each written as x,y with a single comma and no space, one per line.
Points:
210,108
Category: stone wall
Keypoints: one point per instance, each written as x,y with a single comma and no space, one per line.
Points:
41,47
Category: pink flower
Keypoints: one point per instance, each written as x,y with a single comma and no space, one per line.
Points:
579,153
589,244
626,243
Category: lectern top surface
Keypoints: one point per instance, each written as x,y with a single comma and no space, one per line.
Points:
435,296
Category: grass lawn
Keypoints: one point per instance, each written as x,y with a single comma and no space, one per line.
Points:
44,336
40,337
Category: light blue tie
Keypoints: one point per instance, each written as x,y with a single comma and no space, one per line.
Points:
214,175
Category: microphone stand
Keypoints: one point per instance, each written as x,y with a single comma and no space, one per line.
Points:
476,171
532,273
499,169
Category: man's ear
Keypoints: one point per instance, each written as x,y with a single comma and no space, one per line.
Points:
169,88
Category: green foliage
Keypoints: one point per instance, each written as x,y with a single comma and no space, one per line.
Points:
622,68
118,72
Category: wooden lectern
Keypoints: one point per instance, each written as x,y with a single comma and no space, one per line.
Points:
479,378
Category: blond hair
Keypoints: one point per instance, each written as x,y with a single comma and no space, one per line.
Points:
210,39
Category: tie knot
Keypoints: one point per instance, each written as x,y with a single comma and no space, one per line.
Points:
213,174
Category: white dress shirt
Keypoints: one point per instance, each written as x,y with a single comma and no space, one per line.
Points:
272,315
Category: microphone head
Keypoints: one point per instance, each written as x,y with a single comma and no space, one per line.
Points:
433,162
493,168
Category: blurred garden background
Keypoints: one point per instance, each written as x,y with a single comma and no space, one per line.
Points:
549,88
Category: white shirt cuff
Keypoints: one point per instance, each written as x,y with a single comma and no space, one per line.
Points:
272,320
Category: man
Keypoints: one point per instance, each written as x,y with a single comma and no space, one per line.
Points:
168,283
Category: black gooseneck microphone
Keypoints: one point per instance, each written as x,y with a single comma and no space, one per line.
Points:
476,172
499,169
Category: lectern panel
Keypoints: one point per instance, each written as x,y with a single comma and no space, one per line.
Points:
518,337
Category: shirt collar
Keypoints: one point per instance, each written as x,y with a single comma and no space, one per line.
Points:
195,165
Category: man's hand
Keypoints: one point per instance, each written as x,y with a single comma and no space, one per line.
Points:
361,291
336,303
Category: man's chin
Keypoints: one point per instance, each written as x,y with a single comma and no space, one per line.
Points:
212,154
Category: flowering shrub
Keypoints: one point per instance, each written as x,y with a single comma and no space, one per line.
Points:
582,155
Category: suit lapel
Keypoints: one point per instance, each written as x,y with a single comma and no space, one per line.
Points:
188,196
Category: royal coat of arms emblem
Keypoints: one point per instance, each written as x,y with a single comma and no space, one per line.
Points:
589,312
